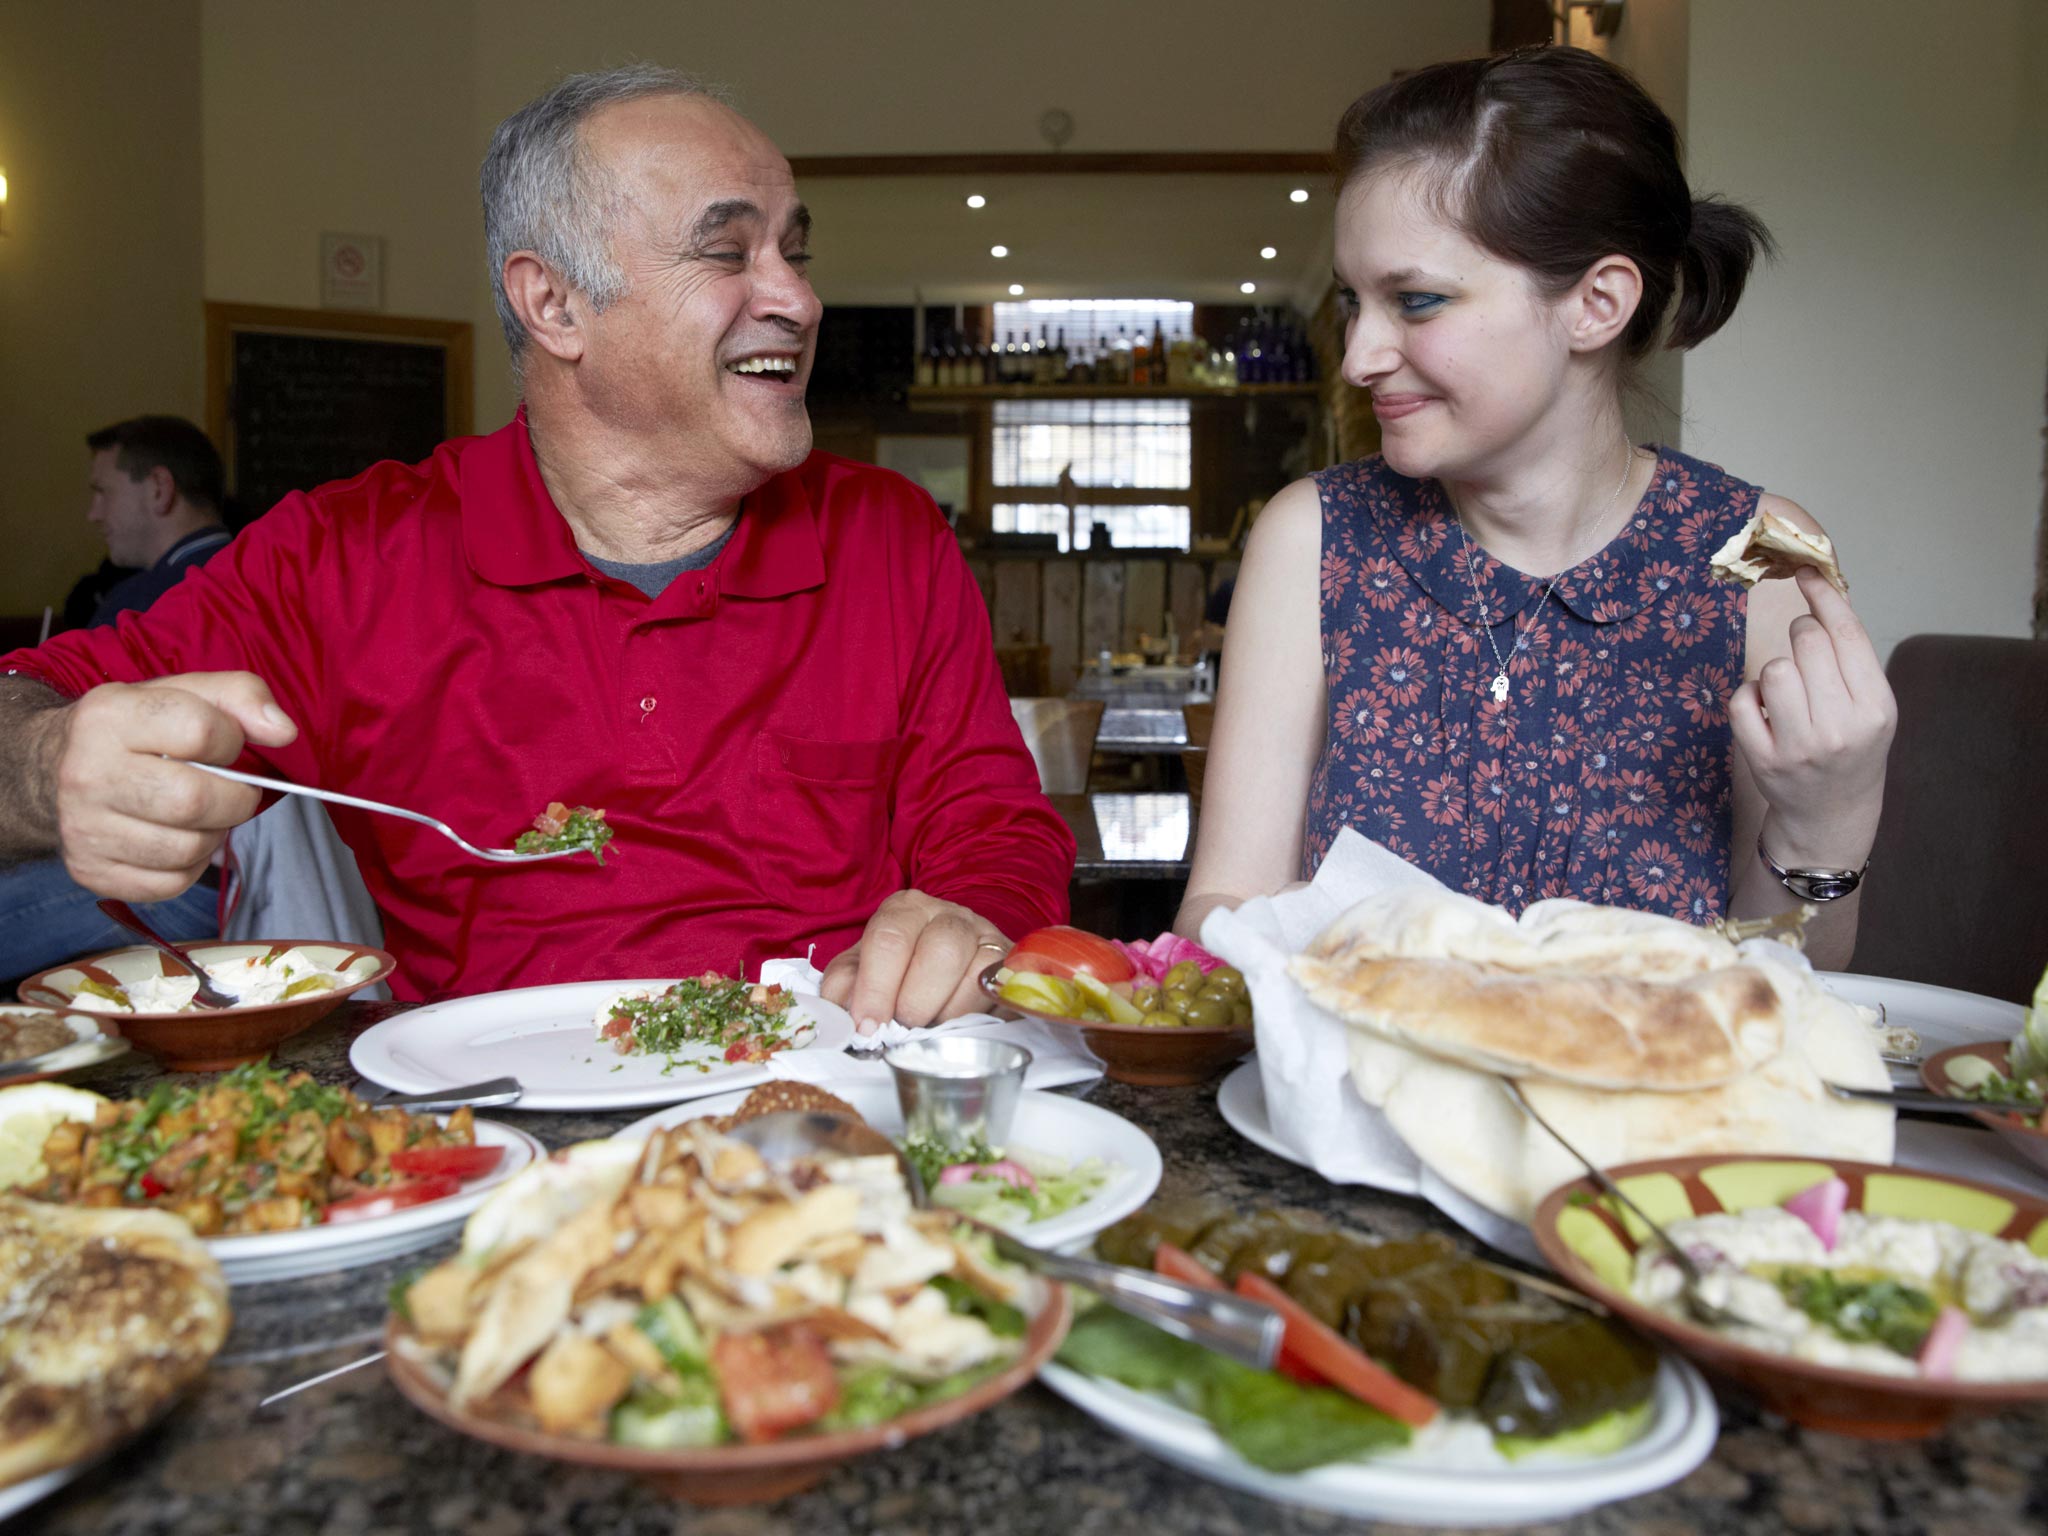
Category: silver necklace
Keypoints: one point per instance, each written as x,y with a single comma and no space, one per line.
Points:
1500,685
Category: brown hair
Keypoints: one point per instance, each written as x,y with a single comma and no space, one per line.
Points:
1552,158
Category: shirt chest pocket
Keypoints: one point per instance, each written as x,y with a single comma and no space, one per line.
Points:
821,822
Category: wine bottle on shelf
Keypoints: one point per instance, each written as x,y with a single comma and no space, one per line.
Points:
1120,357
984,364
1141,359
927,365
1059,356
1160,368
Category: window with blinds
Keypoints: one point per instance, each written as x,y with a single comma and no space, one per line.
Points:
1130,463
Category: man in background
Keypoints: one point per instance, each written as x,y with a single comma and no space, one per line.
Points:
156,489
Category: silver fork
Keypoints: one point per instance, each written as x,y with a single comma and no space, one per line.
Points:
286,787
1689,1270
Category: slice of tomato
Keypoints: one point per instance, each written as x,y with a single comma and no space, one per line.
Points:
453,1162
372,1203
1311,1346
773,1380
1068,951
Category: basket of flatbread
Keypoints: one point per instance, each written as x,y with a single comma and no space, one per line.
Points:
109,1315
1636,1035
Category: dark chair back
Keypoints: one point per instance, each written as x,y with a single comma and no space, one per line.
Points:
1958,888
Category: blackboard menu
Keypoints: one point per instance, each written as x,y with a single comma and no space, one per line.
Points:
307,409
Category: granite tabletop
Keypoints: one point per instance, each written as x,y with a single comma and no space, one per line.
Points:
352,1456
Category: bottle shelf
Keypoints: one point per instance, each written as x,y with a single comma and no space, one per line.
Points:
964,393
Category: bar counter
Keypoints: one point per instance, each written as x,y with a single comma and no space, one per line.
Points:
351,1456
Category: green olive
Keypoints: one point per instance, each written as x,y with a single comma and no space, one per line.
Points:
1240,1015
1187,975
1225,979
1207,1013
1146,997
1160,1019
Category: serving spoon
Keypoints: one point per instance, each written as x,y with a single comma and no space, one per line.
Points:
1233,1326
208,995
1689,1271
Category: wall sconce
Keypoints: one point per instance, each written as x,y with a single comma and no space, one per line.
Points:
3,202
1606,15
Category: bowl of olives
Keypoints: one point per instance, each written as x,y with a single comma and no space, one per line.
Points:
1160,1013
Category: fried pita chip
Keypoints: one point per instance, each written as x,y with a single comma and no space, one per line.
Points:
1767,547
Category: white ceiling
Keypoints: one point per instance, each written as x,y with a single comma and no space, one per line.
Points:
884,239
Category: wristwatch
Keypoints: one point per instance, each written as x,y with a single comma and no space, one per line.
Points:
1814,884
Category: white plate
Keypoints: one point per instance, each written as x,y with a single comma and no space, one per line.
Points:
1941,1016
14,1499
544,1037
1050,1123
249,1257
1681,1432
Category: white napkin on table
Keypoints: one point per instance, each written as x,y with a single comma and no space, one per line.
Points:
1058,1056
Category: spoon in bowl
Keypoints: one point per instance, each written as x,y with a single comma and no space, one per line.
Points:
1234,1326
209,995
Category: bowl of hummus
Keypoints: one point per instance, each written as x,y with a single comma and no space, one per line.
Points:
282,987
1853,1297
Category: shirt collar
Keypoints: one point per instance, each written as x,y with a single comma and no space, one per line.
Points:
515,535
189,546
1602,589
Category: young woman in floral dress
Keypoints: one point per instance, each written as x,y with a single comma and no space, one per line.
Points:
1520,675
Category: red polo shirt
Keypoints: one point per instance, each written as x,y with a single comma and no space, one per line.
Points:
780,740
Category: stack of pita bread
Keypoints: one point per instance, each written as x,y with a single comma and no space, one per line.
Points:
1637,1036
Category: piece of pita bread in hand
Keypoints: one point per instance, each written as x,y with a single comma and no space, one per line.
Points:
1768,547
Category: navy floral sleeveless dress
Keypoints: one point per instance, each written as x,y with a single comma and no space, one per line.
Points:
1605,774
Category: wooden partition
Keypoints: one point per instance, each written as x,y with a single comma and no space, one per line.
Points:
1078,606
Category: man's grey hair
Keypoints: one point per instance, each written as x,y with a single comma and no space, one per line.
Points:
543,192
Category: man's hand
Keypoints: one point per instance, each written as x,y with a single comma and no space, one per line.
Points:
132,821
916,963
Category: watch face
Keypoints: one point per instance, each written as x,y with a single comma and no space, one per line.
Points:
1823,887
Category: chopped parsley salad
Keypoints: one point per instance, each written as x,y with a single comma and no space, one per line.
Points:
1005,1189
704,1018
259,1150
562,829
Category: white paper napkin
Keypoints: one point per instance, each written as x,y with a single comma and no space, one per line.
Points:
1058,1056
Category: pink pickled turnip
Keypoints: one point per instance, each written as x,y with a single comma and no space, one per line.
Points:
1821,1208
1943,1343
1010,1172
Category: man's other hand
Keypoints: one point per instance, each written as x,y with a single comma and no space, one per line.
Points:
916,963
132,820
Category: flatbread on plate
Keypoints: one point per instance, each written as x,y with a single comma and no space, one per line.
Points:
106,1316
1595,996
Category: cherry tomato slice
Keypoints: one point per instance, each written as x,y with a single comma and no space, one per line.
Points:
453,1162
1067,952
372,1203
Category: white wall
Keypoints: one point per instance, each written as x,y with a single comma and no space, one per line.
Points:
100,268
1888,372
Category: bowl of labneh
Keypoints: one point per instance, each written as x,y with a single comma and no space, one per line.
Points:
1867,1300
284,986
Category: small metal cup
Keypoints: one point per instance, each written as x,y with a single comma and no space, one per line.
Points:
958,1089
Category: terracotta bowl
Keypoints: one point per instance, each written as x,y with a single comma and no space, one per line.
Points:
208,1039
733,1474
1595,1250
1138,1053
2024,1136
94,1038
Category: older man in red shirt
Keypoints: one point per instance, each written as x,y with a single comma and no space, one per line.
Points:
769,666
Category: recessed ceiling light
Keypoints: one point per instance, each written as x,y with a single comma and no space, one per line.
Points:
1298,195
999,251
1016,290
976,200
1247,287
1268,252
